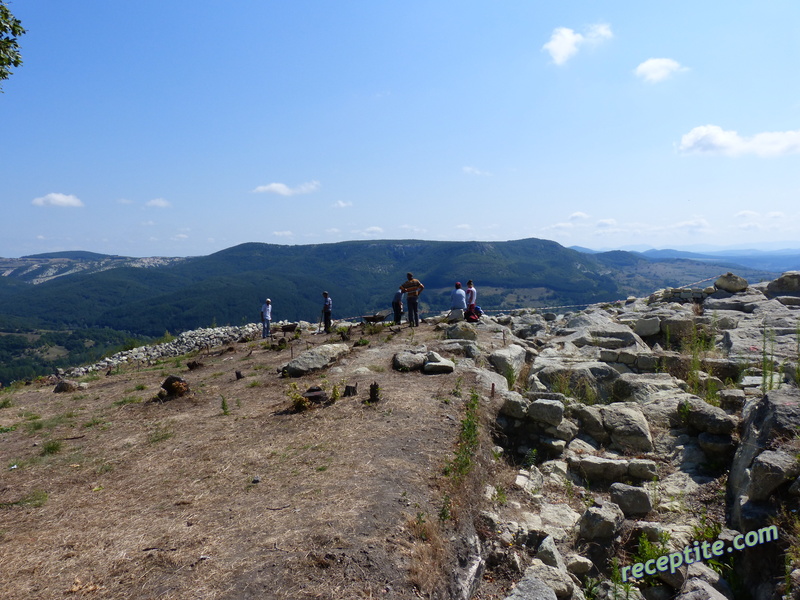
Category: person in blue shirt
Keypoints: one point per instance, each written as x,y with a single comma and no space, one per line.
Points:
397,306
458,297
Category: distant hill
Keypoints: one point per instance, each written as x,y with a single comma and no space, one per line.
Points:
143,298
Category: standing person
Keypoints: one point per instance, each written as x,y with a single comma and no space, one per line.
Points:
472,295
397,306
413,288
266,319
327,309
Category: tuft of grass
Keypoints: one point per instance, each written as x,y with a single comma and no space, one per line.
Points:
463,461
160,433
224,406
6,403
127,400
51,447
361,342
35,499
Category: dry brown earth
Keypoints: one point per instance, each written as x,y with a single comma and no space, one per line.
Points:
105,493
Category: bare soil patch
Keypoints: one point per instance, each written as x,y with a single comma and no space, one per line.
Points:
105,493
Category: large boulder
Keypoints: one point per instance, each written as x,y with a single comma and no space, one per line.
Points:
788,283
436,364
627,427
731,283
601,522
530,587
632,500
315,359
509,360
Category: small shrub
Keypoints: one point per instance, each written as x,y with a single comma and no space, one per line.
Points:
224,406
361,342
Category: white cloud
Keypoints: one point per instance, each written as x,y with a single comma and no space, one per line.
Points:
605,223
124,201
341,204
56,199
776,214
414,228
284,190
373,230
474,171
332,230
463,226
148,223
564,42
282,233
746,214
157,203
654,70
711,139
578,216
181,236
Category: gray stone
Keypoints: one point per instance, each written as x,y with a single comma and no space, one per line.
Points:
769,470
716,447
590,421
548,553
627,427
788,283
596,468
530,480
607,590
558,581
642,468
461,331
647,326
578,565
435,364
601,522
705,417
508,360
531,587
632,500
408,361
65,386
550,412
515,405
731,283
315,359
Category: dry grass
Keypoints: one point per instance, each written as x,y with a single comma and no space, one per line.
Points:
160,500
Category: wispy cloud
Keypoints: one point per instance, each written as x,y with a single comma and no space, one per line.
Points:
284,190
606,223
474,171
282,233
654,70
157,203
124,201
578,216
711,139
341,204
369,231
414,228
463,226
56,199
565,42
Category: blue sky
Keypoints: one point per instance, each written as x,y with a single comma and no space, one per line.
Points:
178,128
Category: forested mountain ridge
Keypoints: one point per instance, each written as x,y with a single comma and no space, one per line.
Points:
81,291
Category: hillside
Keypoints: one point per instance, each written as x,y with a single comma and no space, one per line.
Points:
631,430
75,295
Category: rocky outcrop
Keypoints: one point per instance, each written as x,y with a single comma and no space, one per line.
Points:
315,359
